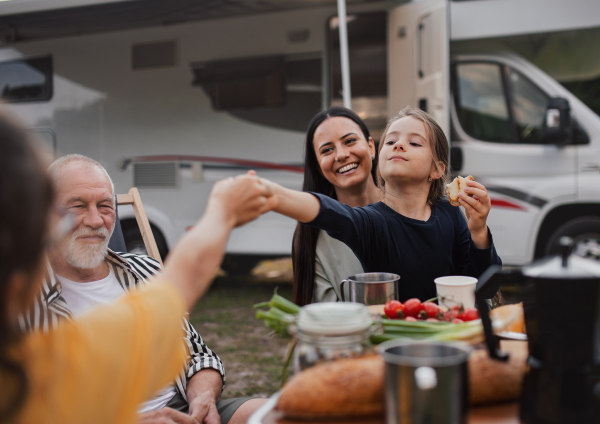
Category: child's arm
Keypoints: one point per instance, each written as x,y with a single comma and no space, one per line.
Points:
477,212
298,205
351,226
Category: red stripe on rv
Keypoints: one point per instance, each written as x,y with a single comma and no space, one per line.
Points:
506,204
211,159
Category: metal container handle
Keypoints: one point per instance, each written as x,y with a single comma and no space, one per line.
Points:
342,289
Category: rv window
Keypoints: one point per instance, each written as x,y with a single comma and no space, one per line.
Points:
529,107
242,83
26,80
481,102
283,92
367,48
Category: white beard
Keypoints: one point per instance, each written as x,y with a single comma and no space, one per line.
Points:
86,256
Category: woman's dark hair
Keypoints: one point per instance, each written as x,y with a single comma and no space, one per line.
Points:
25,202
304,244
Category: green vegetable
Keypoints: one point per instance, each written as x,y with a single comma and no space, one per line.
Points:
282,312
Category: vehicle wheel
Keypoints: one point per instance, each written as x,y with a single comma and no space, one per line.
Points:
135,243
585,233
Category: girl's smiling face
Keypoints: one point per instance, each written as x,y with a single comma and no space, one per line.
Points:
405,153
343,153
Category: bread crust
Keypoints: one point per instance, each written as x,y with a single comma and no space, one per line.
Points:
457,186
342,388
355,387
494,381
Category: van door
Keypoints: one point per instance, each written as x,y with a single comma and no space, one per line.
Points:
418,58
498,119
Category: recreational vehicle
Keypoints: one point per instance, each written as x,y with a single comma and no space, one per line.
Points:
173,96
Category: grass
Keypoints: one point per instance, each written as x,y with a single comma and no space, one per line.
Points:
253,358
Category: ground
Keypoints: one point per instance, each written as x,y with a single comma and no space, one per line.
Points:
253,358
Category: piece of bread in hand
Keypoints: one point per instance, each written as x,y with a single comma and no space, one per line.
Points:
457,186
341,388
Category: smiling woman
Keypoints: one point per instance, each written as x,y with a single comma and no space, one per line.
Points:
340,162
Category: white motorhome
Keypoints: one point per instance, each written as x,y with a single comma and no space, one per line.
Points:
172,96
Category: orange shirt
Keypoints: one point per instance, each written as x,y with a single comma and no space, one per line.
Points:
102,367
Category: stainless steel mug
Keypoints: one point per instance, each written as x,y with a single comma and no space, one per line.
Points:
371,288
425,383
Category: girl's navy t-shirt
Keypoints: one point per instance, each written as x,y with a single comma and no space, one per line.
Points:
418,251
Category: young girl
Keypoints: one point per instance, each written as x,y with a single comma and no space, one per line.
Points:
413,231
339,162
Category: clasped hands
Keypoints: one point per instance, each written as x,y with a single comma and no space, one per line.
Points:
242,198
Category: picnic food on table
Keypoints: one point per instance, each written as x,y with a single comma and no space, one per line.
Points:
509,318
354,387
448,327
457,186
497,381
280,314
342,388
429,311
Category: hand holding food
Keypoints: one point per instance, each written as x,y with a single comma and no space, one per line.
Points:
455,187
474,198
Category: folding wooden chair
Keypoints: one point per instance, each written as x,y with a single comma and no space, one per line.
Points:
133,198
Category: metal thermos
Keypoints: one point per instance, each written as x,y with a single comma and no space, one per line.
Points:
425,383
371,288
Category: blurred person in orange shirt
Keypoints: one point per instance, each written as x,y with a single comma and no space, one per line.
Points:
100,368
82,273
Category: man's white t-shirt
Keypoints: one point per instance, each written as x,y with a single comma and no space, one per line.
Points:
82,296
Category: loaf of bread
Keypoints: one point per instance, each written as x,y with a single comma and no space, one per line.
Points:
457,186
496,381
355,387
342,388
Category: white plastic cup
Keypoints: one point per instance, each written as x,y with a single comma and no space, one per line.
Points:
457,288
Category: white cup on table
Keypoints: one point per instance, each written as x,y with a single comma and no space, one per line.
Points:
457,288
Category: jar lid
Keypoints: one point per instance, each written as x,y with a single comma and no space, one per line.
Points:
334,318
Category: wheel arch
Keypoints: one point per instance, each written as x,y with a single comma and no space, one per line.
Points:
559,216
130,223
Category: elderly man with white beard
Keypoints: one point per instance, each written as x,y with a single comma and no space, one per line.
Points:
83,272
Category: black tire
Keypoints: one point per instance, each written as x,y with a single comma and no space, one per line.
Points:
584,231
135,243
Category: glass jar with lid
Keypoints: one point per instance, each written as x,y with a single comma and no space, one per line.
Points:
331,330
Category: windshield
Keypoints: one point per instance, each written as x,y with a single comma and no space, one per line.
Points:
570,57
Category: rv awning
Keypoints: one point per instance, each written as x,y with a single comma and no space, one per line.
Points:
43,19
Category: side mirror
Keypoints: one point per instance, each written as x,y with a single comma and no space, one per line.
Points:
559,126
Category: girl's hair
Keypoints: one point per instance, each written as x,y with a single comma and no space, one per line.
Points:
438,143
304,244
26,195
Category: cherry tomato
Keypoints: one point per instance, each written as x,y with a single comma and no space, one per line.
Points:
431,309
392,308
457,321
432,320
412,307
469,314
458,308
451,314
410,319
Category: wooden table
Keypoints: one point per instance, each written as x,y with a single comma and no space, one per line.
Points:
506,413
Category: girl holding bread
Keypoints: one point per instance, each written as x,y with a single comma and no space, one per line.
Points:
413,231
